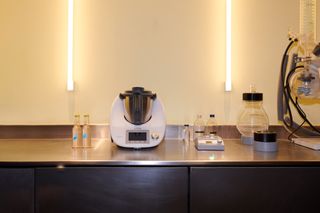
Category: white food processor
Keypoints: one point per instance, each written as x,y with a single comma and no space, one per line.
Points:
137,119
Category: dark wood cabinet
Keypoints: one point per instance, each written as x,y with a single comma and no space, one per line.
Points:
160,189
254,189
16,190
112,190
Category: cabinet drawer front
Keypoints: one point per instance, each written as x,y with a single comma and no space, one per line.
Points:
112,189
16,190
254,189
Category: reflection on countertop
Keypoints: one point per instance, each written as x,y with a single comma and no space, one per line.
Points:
55,152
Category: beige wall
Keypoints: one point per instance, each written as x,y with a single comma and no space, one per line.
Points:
173,47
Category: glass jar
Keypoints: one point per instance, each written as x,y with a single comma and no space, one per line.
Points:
252,118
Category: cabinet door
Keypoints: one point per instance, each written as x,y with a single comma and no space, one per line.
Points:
112,190
16,190
264,189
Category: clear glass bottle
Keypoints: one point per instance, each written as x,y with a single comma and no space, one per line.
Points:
211,126
253,117
86,132
186,133
198,127
76,132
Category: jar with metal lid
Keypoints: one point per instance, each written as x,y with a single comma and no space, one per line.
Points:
253,117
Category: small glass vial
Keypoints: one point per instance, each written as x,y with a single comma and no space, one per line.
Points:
86,132
76,132
186,133
198,127
211,126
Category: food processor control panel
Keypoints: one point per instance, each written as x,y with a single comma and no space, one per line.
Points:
137,137
141,137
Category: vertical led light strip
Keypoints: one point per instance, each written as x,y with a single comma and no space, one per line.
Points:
70,46
228,84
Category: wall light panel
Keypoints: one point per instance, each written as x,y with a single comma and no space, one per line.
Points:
70,83
228,83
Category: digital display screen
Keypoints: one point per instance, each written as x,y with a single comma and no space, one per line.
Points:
137,136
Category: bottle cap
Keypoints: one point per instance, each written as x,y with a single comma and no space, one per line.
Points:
252,96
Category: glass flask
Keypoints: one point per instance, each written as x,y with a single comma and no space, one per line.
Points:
305,83
252,118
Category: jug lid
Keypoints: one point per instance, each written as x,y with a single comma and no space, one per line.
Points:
137,91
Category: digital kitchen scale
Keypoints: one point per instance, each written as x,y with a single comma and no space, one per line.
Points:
214,143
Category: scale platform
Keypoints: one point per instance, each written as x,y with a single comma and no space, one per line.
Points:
312,143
